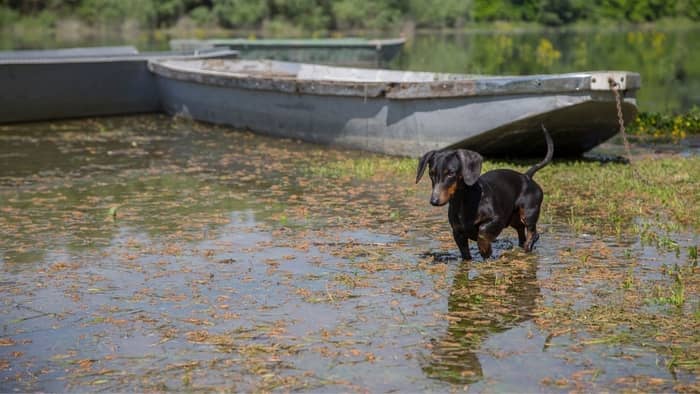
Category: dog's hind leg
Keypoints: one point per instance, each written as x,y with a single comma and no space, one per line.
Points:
521,236
531,216
532,237
518,223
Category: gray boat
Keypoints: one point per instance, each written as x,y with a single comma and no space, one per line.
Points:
336,51
400,112
78,82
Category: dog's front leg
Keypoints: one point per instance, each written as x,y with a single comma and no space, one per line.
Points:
488,231
462,243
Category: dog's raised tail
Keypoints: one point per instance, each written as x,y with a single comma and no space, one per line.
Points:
550,152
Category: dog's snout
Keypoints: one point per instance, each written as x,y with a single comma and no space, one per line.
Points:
442,193
437,198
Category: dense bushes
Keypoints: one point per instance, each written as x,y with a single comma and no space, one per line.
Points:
658,125
318,15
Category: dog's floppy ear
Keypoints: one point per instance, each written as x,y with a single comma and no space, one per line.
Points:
471,165
423,163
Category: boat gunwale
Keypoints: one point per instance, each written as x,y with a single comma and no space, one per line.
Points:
470,86
376,44
137,57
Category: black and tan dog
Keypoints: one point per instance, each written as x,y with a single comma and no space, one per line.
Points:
482,206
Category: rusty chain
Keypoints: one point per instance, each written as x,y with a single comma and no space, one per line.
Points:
621,120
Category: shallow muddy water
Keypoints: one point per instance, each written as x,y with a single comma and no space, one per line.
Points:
146,253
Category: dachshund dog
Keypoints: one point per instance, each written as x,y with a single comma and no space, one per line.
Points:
482,206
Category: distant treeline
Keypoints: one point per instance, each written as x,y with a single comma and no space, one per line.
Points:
324,15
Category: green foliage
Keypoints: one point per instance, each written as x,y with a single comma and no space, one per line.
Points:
7,16
203,16
635,11
368,14
658,125
505,10
449,13
168,11
560,12
689,8
312,14
485,10
101,12
240,13
319,15
35,21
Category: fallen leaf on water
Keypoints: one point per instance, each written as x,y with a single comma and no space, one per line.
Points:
85,364
197,336
198,322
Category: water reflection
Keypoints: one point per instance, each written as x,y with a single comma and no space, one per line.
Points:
668,60
78,184
485,300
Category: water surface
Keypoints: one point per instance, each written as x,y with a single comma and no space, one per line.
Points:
667,58
151,253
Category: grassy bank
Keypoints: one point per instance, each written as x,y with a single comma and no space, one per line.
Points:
593,197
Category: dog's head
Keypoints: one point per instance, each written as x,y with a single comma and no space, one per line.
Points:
447,169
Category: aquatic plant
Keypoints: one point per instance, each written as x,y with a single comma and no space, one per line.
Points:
666,126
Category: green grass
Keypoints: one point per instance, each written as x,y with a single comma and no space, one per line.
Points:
676,296
602,198
608,196
693,254
365,167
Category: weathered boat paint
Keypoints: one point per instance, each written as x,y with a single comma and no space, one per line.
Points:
399,112
77,82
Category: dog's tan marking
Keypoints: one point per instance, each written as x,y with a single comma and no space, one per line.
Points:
451,190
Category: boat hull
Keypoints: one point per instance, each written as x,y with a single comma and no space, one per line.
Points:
47,91
80,82
498,125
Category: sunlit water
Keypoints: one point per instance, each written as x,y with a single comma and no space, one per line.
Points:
146,253
667,59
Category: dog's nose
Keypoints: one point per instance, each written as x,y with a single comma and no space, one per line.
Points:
434,201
